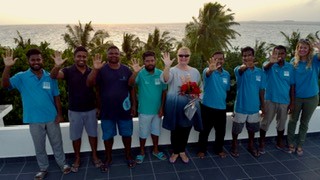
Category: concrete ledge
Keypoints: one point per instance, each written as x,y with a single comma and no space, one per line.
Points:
16,141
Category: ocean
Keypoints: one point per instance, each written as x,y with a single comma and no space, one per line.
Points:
249,32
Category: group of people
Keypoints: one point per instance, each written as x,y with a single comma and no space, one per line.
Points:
115,93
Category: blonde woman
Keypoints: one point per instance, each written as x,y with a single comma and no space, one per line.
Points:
306,71
174,118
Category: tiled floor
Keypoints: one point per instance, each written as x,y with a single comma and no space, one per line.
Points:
275,164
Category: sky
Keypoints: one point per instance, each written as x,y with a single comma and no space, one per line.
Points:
149,11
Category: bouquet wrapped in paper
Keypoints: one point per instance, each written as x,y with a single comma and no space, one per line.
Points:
192,91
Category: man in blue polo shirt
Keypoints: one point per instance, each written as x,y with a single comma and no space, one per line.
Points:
250,98
151,96
41,107
82,107
216,82
279,98
117,102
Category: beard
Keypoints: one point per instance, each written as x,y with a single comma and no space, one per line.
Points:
150,68
37,67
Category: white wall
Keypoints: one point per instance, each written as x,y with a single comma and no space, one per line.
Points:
15,141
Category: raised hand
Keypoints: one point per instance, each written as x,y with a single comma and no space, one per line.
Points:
317,45
8,58
58,58
166,59
97,61
135,65
274,57
213,64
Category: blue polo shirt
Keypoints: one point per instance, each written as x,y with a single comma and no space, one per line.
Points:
279,80
215,89
306,79
80,96
249,85
37,96
150,90
114,92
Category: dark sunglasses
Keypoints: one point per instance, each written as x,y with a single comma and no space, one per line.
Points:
184,55
304,40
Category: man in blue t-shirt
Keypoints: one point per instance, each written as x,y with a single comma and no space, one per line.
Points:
116,102
151,97
279,100
250,98
81,99
216,82
41,108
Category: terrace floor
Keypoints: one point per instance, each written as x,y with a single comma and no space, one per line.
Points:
275,164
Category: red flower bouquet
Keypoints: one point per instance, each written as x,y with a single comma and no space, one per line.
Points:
192,91
190,88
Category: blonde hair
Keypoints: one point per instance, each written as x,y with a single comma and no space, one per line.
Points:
297,58
184,48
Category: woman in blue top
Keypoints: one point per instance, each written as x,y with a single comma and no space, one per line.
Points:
306,71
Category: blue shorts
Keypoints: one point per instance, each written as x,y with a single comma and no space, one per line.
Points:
109,130
149,124
78,120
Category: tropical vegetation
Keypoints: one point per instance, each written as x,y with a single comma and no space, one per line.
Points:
211,31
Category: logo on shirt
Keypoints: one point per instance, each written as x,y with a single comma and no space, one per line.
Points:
286,73
225,80
258,78
157,81
46,85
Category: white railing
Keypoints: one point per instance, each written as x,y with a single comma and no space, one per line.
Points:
16,140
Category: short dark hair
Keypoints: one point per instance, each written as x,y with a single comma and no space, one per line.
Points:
217,52
280,47
80,48
248,48
113,47
147,54
33,51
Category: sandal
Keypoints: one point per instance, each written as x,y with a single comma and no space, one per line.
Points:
201,155
299,151
291,149
97,163
254,152
184,157
160,155
40,175
173,158
139,159
222,154
75,168
131,163
104,167
234,153
262,150
66,169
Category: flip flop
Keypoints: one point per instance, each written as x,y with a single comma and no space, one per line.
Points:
131,163
160,155
104,167
222,154
40,175
234,153
139,159
201,155
75,168
254,152
97,163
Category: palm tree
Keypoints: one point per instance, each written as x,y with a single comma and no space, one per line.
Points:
131,45
21,42
211,31
160,42
80,36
